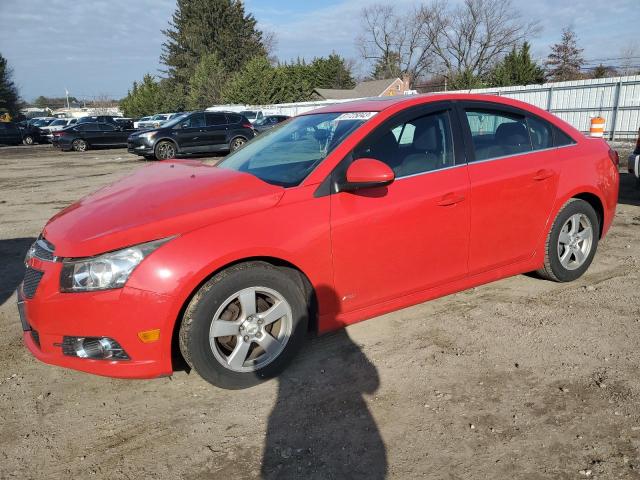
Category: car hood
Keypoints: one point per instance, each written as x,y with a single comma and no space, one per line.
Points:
155,202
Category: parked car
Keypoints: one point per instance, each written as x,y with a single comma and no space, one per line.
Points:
10,134
136,124
126,123
339,215
253,115
196,132
83,136
40,121
156,120
633,163
56,125
32,134
269,122
99,119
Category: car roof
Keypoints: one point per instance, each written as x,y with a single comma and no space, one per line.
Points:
378,104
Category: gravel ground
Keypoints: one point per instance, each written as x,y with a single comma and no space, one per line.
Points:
519,379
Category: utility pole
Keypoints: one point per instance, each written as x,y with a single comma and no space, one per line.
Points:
66,93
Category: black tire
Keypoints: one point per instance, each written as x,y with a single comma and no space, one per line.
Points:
553,267
196,324
165,150
79,145
236,143
27,140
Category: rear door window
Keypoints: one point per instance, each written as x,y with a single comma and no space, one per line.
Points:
497,133
105,127
215,119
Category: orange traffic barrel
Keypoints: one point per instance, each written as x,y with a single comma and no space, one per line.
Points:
597,127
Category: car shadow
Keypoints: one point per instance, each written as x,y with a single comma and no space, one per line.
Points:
320,426
12,252
629,193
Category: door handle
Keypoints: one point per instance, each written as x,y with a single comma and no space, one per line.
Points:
543,174
450,199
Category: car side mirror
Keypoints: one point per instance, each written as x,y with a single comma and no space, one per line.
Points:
367,173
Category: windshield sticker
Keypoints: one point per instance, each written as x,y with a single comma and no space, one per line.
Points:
356,116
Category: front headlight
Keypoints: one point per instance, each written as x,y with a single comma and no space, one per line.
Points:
106,271
148,135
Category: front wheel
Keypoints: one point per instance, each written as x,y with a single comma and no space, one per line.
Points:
237,143
244,325
572,242
27,140
165,150
79,145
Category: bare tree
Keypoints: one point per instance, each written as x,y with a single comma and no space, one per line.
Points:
629,59
270,44
103,105
471,38
396,43
436,37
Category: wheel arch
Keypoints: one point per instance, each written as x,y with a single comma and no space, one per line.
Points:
166,139
595,202
285,265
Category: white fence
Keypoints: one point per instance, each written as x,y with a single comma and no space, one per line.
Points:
617,99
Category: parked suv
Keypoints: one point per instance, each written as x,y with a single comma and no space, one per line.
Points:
10,134
196,132
83,136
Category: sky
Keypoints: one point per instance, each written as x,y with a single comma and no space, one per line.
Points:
99,47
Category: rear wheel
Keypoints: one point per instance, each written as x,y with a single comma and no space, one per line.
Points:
79,145
237,143
244,325
165,150
572,242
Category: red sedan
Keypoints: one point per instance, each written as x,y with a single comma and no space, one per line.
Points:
333,217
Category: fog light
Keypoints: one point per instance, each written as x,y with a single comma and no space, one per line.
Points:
97,348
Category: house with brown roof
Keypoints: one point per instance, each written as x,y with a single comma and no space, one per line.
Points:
371,88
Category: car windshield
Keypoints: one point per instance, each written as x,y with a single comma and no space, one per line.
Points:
286,154
58,122
174,121
250,114
159,117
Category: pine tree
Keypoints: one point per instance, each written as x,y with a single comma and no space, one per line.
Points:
142,99
8,92
331,72
517,68
565,60
207,83
387,67
255,84
202,27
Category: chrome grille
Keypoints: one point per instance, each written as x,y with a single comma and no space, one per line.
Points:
31,280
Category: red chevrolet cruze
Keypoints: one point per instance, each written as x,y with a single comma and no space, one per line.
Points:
335,216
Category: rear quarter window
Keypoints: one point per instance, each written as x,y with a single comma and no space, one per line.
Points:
561,139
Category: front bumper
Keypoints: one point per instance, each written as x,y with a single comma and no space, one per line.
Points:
119,314
139,146
633,164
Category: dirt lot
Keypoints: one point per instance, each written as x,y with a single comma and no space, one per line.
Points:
522,378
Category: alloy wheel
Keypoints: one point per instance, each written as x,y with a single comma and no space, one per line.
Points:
28,140
79,145
575,241
250,329
166,151
237,143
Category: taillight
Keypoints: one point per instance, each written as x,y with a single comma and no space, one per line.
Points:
247,125
613,155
